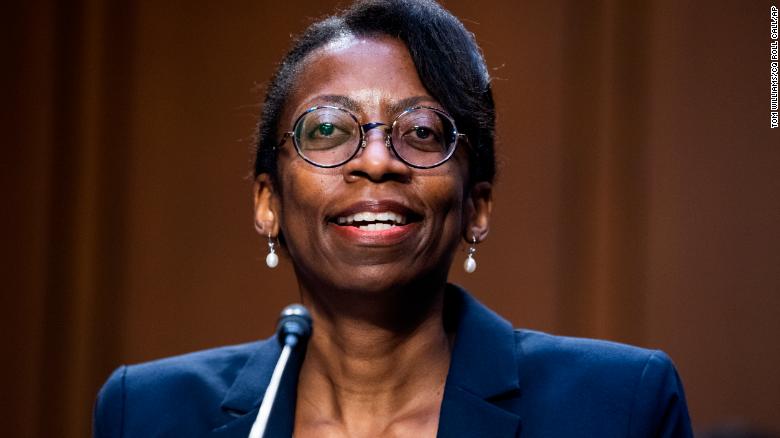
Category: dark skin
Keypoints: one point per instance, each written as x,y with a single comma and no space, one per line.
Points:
379,355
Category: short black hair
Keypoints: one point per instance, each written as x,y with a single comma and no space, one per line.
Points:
444,52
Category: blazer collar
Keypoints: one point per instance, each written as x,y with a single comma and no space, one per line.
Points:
483,368
483,358
242,401
247,390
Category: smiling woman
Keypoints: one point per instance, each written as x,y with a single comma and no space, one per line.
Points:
375,160
345,167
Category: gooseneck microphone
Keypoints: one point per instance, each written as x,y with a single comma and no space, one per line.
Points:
293,329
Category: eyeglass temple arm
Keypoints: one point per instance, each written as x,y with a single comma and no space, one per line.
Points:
283,140
462,136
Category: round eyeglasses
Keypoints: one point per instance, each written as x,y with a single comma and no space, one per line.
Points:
329,136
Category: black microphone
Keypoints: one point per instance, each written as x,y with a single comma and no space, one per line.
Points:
294,325
293,329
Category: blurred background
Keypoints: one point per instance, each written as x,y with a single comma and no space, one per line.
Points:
638,196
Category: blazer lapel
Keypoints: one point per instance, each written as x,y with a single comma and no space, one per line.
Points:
242,401
465,415
239,427
483,370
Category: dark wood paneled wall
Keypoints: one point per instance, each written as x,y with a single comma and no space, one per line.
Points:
637,198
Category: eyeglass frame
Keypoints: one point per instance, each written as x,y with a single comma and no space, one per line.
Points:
365,127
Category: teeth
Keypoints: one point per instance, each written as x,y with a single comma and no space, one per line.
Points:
369,216
376,227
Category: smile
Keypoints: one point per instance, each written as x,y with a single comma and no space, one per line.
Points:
372,221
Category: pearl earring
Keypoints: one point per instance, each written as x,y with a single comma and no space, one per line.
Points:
271,259
470,265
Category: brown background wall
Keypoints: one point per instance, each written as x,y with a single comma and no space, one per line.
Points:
637,201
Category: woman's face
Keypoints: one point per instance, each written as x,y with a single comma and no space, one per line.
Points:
373,223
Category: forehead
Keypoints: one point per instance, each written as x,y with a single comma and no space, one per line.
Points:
375,72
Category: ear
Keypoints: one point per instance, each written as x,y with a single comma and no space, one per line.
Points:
266,206
479,205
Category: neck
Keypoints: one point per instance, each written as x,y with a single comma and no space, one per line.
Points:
374,359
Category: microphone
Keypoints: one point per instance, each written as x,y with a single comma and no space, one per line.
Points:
293,329
294,325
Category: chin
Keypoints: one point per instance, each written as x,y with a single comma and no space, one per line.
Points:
378,281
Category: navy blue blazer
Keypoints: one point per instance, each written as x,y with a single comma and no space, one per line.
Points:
501,383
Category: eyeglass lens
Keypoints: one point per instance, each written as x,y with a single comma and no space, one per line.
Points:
330,136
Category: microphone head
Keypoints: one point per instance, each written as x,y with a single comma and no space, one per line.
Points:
294,325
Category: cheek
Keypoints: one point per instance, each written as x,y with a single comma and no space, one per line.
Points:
302,194
448,200
446,203
449,188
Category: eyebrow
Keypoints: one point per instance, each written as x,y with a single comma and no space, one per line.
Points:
394,107
403,104
342,101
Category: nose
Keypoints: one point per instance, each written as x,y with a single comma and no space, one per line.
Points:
376,161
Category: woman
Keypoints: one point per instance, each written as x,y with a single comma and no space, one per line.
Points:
375,159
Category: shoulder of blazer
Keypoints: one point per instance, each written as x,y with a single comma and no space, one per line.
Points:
534,345
139,397
638,390
216,367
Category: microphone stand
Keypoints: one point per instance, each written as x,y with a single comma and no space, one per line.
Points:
294,326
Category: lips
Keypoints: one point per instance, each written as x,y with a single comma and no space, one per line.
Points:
376,222
368,220
378,212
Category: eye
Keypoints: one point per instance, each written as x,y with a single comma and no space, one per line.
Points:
326,129
422,135
422,132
